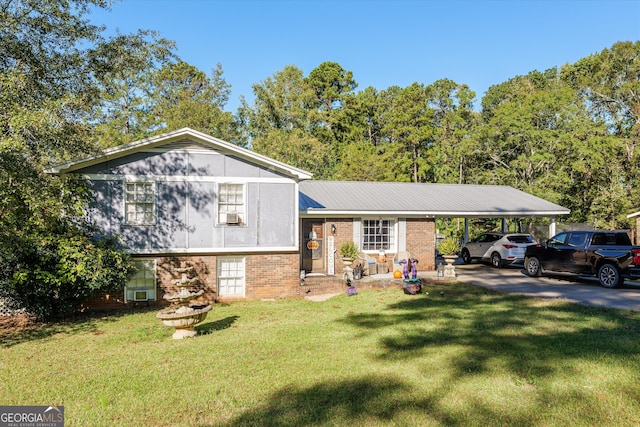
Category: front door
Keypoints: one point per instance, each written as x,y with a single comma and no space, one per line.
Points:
313,246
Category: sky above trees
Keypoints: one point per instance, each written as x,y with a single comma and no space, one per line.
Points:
384,43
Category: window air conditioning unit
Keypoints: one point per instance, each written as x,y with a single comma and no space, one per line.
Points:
233,218
141,295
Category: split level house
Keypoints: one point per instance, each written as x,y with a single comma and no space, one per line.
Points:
251,226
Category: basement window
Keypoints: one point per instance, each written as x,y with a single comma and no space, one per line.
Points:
142,286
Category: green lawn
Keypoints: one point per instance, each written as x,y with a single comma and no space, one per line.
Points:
469,357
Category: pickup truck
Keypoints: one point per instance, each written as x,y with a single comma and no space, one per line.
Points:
607,255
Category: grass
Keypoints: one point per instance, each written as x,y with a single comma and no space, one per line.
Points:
381,358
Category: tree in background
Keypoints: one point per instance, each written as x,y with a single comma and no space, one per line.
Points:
281,125
408,124
454,124
183,96
123,67
281,103
609,82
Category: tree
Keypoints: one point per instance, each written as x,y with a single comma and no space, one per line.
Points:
610,82
542,139
281,102
124,68
183,96
409,122
454,123
47,96
296,148
279,122
330,84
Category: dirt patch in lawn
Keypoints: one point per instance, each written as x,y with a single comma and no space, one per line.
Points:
17,324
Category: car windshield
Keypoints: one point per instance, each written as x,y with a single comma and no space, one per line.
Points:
521,238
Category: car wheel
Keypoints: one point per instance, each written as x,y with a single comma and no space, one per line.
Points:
496,260
466,256
533,267
609,276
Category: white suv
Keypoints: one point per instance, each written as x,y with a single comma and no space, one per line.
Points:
498,248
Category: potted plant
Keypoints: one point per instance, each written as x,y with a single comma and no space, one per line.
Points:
449,247
349,252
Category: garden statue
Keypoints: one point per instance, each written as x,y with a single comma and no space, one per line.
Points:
181,315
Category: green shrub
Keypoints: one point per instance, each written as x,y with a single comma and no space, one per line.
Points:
449,246
54,275
349,250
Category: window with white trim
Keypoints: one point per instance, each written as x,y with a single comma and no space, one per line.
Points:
378,234
142,286
140,203
231,276
231,206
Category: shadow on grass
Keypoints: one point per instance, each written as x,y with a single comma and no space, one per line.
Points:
19,329
218,325
531,340
527,342
326,404
381,401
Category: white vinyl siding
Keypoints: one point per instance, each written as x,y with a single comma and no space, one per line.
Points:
231,203
143,280
231,276
140,203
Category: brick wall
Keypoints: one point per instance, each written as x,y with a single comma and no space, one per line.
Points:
344,233
272,275
266,276
421,242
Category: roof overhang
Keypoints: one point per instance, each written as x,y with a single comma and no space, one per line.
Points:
175,136
318,213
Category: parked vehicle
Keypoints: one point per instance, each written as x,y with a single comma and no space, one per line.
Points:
607,255
499,249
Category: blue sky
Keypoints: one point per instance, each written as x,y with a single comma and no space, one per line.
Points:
384,43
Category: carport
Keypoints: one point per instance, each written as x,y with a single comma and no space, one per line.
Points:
326,205
429,200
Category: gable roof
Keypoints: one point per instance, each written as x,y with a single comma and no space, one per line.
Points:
348,198
181,135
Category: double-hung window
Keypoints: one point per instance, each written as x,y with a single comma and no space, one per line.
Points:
142,286
140,203
231,205
231,276
378,234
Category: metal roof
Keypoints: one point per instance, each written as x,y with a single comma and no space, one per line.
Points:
348,198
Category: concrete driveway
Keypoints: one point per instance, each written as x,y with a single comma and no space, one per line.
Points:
585,291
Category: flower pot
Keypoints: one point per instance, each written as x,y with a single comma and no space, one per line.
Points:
449,269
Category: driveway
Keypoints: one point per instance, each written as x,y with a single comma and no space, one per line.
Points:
585,291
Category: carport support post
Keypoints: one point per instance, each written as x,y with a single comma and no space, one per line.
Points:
504,225
466,230
552,227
